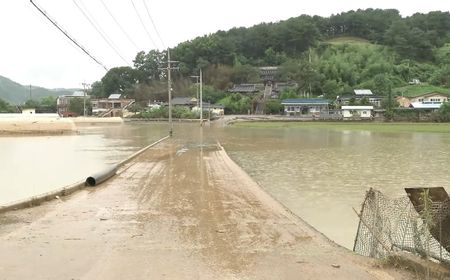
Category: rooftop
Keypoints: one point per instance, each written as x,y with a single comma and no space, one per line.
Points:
363,92
115,96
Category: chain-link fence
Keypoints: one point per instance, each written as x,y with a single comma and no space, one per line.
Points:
417,223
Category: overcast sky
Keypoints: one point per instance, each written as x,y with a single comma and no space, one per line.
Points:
35,52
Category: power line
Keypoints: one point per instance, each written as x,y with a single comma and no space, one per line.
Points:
67,35
120,26
100,32
153,23
142,23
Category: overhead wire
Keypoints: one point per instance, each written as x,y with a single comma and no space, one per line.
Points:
153,23
100,32
119,25
67,35
143,25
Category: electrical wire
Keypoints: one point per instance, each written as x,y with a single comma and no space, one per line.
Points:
67,35
100,32
119,25
142,23
153,23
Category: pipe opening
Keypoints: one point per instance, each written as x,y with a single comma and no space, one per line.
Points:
90,181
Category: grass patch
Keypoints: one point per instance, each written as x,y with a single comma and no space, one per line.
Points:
412,90
377,127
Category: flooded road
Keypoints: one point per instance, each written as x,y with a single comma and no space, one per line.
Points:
318,173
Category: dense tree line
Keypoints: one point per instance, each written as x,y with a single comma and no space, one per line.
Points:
393,50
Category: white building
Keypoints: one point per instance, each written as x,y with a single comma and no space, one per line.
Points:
359,112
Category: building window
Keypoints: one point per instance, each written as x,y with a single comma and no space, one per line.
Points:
364,113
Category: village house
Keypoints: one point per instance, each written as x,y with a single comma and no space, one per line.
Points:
305,106
359,95
213,109
112,106
431,100
185,101
357,112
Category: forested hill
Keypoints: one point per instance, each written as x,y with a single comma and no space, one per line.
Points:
16,93
373,48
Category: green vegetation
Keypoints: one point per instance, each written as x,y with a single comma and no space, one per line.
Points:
348,40
373,48
376,127
5,107
178,112
77,106
413,90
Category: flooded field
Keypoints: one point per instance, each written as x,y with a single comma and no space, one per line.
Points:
319,172
32,165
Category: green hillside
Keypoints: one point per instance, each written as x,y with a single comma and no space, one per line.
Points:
322,56
15,93
412,90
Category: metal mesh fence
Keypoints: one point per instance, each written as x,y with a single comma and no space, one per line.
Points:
388,225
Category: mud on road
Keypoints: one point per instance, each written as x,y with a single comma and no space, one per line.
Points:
181,210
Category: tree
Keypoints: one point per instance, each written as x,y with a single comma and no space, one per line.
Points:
444,112
49,103
97,89
148,65
120,80
31,103
273,107
5,107
76,105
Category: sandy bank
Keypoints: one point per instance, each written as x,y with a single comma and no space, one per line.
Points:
17,124
21,124
178,211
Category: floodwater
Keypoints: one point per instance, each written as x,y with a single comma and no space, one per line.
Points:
318,173
321,174
32,165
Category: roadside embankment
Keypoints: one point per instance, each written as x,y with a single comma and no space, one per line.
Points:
180,210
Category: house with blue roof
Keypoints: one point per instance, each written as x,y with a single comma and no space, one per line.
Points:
305,106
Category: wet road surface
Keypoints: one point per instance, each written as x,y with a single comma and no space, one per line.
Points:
181,210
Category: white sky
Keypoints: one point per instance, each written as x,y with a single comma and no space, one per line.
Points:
32,51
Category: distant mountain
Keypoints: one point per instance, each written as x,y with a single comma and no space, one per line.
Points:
15,93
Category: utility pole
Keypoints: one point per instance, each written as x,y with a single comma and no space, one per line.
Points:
309,95
30,91
169,68
201,97
84,98
197,88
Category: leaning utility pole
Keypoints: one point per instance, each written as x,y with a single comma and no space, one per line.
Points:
169,68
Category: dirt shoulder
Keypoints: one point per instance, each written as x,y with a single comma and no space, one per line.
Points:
178,211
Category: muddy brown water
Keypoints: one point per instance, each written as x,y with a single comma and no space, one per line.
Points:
318,173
